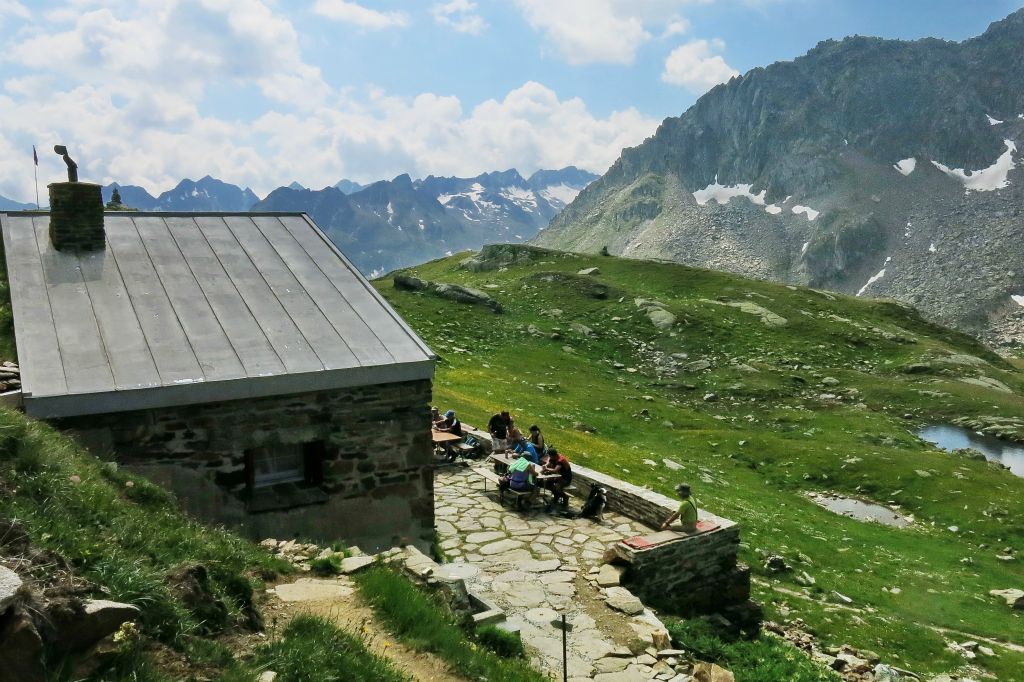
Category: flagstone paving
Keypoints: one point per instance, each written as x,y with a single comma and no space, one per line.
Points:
537,566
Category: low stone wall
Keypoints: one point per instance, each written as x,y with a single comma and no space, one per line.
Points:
375,488
690,574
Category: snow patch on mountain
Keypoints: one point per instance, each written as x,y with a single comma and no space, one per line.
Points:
524,198
987,179
874,278
992,121
806,210
723,193
1019,300
559,195
906,166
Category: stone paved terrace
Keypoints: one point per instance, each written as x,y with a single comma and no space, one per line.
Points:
535,566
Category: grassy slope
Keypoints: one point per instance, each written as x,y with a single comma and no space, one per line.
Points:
127,536
794,442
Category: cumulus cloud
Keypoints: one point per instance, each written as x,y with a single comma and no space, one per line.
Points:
381,136
125,84
176,45
696,67
460,16
609,31
363,17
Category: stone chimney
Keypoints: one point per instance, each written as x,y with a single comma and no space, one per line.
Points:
76,211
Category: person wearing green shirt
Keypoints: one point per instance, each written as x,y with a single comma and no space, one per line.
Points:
687,513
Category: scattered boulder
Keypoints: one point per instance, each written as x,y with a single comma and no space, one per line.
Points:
709,672
776,564
610,575
621,599
589,271
1014,598
355,563
97,619
453,292
580,426
10,583
660,318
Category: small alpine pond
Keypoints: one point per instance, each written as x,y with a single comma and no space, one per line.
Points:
949,437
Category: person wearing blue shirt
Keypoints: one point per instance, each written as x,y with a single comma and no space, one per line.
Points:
526,447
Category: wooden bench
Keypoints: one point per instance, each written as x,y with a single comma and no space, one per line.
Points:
490,475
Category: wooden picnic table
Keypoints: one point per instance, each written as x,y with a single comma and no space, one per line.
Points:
443,436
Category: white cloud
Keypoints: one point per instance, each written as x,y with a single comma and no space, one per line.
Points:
382,136
363,17
459,15
611,31
12,8
126,84
182,46
696,67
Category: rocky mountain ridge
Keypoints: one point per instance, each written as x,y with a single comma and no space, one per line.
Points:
875,167
400,222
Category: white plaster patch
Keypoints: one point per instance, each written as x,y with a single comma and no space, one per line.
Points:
906,166
986,179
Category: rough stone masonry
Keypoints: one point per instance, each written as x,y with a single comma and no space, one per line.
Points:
372,485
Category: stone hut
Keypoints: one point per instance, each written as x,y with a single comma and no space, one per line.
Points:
239,360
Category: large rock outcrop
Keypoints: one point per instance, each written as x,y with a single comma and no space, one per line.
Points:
840,170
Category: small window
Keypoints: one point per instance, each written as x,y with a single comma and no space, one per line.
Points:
273,464
278,464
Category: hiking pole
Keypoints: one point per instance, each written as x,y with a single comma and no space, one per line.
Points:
565,651
565,627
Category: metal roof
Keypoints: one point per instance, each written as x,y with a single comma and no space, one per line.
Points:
184,308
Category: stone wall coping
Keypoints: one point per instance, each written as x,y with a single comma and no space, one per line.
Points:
646,494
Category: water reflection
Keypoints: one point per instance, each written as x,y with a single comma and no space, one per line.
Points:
862,511
949,437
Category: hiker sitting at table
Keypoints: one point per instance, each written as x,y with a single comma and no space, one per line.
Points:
558,464
537,438
520,475
498,428
451,424
526,448
435,416
687,513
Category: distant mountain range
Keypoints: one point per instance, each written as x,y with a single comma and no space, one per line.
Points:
843,169
391,223
206,194
396,223
12,205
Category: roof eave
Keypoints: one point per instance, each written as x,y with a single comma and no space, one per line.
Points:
195,393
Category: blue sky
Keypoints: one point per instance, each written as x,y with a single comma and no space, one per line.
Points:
263,92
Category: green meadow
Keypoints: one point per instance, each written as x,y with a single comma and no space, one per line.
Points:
757,413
